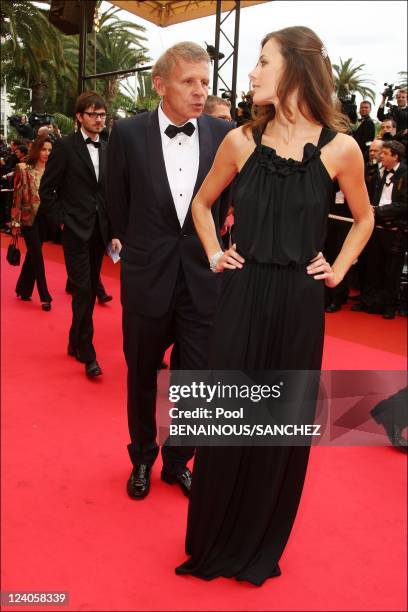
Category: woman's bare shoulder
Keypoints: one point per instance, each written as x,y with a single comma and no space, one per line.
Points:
343,144
238,144
342,152
239,137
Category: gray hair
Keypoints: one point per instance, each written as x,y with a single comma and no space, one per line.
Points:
187,51
213,101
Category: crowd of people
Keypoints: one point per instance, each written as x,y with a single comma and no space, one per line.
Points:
157,195
379,270
377,277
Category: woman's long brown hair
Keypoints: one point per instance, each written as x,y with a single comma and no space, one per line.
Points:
310,73
35,150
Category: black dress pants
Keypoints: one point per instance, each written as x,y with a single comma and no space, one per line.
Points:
100,289
33,269
385,257
336,234
145,339
83,260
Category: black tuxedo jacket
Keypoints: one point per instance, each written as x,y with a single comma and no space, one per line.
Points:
394,214
69,190
144,217
364,133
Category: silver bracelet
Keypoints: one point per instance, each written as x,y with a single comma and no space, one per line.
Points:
214,260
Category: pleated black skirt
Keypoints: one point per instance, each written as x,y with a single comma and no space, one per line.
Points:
244,499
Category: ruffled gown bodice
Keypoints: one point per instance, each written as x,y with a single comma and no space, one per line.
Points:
281,205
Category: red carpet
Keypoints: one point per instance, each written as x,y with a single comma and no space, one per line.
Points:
69,526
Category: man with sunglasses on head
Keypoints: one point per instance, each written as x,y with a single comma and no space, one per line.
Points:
72,191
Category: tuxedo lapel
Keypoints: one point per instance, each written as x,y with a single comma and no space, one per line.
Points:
102,162
157,166
206,158
206,151
84,153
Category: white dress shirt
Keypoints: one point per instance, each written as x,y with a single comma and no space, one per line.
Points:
386,194
93,152
181,158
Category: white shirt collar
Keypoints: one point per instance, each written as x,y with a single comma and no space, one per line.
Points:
85,136
395,168
164,122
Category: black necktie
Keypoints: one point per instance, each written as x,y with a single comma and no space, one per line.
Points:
90,141
172,130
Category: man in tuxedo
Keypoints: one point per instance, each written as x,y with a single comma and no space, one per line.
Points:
156,164
365,132
385,255
73,190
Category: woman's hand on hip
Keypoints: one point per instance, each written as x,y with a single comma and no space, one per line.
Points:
230,260
320,269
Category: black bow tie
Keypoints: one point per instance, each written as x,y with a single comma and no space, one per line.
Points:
90,141
392,171
172,130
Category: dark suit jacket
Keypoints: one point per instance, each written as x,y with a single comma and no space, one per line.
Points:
394,214
144,216
364,133
69,190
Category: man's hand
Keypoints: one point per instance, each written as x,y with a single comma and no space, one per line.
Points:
116,245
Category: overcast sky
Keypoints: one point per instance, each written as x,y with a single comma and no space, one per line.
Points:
371,32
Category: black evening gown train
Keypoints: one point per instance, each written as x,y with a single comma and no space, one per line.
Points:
270,317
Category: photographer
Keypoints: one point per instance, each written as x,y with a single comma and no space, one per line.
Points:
373,166
388,130
365,132
398,112
243,111
24,128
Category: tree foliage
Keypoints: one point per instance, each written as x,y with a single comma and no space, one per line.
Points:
350,79
36,56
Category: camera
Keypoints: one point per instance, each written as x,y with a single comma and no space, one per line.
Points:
388,136
226,94
349,106
37,120
389,92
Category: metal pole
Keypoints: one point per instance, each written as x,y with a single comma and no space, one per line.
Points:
4,95
235,58
217,47
82,45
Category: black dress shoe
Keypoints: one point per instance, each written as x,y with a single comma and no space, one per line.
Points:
184,479
103,299
357,307
333,307
138,485
24,298
360,307
92,369
46,306
388,314
394,433
71,351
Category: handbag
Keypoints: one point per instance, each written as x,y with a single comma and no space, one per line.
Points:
13,252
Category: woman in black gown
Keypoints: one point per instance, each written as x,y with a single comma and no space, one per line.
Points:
271,312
